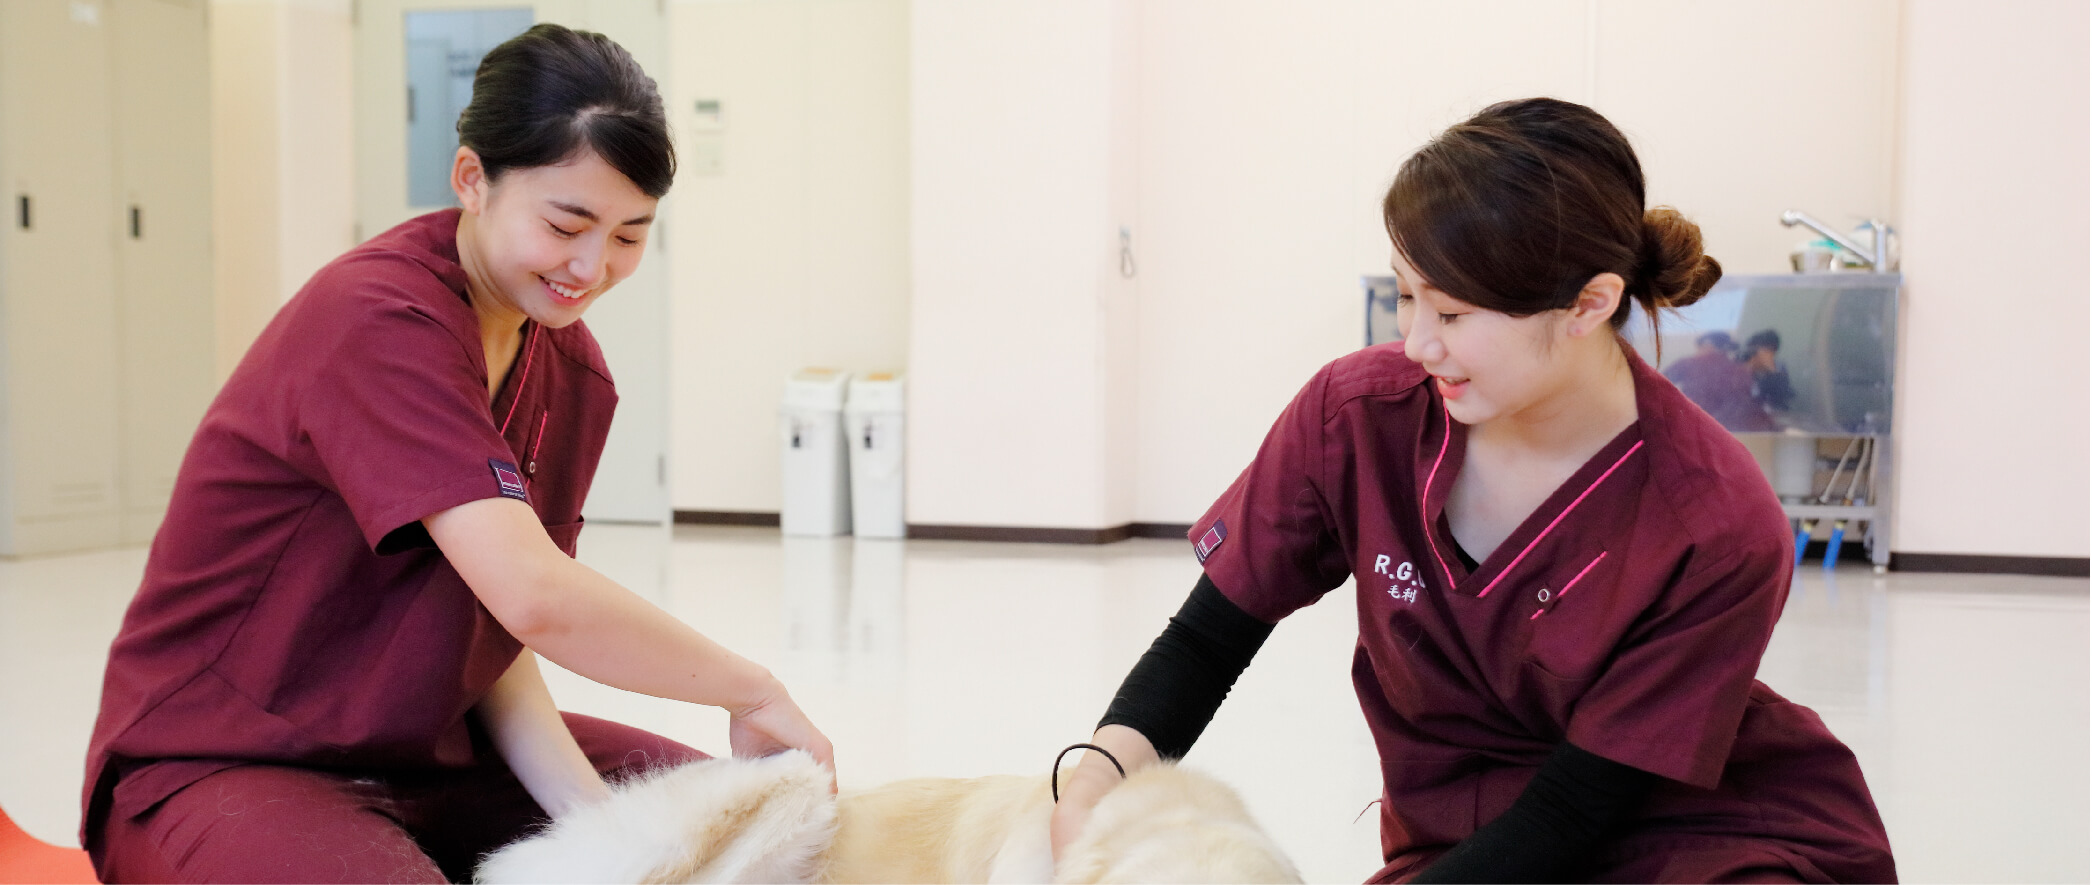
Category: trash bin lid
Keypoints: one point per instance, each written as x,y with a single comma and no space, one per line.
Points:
876,392
816,389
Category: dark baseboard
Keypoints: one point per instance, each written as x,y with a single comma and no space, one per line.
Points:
725,517
1964,563
1018,534
1021,534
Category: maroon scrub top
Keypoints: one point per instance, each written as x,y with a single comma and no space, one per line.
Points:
294,609
1627,615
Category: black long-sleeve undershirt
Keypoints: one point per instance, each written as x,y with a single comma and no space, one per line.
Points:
1573,800
1173,692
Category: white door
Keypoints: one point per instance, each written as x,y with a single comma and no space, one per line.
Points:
59,426
160,51
394,112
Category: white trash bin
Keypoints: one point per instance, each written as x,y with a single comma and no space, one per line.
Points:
815,461
874,419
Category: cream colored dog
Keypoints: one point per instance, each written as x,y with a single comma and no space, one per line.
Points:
772,820
717,820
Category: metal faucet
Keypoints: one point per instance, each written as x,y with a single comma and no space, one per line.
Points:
1876,258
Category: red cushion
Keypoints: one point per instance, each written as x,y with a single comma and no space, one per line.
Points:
25,858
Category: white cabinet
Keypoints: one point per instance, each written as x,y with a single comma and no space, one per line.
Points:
106,334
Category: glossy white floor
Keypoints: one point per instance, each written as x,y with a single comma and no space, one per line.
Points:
1964,696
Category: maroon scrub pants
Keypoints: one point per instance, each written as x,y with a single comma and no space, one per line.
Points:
275,823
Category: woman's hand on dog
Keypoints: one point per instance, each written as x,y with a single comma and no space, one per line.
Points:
1084,785
773,723
1081,789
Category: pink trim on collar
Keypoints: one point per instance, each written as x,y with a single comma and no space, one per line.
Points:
528,353
1572,582
1429,532
1559,517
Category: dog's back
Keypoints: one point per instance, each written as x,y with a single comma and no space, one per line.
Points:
773,820
927,830
1164,824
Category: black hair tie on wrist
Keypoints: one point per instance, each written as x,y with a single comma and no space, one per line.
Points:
1064,754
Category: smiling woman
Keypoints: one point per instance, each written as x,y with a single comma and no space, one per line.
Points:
563,154
370,542
541,244
1566,573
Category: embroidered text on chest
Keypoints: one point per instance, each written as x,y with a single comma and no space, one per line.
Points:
1407,581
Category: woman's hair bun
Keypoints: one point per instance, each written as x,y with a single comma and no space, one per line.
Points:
1675,270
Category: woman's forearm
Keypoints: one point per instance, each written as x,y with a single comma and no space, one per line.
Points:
533,739
602,631
583,621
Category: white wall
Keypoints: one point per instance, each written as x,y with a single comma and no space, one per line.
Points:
938,186
1020,320
1258,213
283,170
787,235
792,252
1993,215
1270,131
315,67
246,216
1266,132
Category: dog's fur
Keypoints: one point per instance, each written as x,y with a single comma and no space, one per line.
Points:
1164,824
772,820
716,820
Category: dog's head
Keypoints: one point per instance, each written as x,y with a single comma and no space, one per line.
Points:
1170,824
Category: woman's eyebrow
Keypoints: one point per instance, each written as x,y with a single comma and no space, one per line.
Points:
584,212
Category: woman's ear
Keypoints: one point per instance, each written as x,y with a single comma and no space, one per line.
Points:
1594,306
468,179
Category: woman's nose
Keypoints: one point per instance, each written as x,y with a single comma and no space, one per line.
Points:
1420,342
588,265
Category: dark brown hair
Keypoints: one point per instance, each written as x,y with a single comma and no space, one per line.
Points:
550,93
1517,208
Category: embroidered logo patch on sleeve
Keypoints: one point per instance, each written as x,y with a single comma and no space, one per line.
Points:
1210,540
510,480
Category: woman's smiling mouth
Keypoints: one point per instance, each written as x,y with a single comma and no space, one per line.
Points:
568,293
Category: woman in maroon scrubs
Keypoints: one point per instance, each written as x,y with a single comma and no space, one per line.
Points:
1566,572
330,670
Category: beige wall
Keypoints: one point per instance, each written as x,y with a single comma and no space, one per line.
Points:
1264,133
315,69
787,236
1993,407
938,186
283,185
246,214
1021,322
